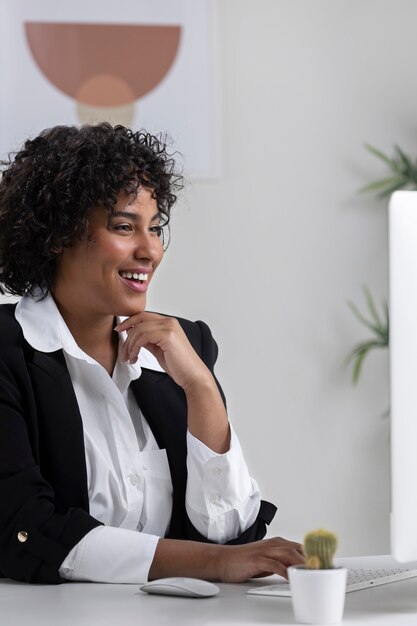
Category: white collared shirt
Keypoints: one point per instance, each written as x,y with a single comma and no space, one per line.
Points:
129,482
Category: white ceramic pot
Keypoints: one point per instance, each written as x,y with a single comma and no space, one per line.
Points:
318,596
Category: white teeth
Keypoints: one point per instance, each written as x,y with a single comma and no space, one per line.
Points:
134,275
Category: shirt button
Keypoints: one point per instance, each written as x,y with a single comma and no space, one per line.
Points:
216,471
214,498
22,536
134,480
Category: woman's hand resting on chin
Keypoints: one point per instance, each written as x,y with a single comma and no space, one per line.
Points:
165,339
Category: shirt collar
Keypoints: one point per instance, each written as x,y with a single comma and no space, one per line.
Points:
45,330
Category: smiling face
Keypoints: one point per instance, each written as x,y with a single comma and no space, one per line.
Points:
108,271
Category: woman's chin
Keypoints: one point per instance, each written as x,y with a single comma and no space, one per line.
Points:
131,309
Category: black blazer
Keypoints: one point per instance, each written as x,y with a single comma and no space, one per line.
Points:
44,509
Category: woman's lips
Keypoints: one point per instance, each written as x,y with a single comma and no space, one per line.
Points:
135,285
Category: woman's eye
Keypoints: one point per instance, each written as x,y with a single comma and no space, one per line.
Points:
123,227
162,232
157,230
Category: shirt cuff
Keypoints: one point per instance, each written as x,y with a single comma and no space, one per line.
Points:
111,555
222,499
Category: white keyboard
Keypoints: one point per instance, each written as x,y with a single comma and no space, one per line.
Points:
357,579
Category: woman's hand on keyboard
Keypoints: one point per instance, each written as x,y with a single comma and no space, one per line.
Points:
225,563
260,558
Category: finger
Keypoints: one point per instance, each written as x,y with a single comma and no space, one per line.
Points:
138,318
273,566
285,543
131,349
288,556
295,547
127,324
142,336
162,331
297,558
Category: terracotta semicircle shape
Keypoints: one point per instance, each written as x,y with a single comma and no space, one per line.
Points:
103,64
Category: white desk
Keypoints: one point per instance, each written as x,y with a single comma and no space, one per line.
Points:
87,604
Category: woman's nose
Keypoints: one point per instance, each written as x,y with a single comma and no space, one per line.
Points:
147,247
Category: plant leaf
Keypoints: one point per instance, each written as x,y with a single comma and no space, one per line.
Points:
381,183
371,305
361,318
402,184
386,310
358,355
379,327
403,168
405,160
390,162
364,346
357,368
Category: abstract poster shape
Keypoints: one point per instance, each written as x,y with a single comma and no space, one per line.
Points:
104,67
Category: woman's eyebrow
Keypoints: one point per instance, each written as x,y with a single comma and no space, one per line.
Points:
129,214
133,216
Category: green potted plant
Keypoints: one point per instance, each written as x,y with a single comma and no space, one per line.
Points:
318,588
402,174
377,323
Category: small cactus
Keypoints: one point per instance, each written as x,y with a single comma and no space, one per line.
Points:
319,548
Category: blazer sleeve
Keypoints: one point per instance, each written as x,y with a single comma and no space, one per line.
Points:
34,537
266,513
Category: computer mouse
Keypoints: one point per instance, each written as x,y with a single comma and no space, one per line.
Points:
186,587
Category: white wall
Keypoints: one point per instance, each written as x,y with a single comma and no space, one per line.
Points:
269,253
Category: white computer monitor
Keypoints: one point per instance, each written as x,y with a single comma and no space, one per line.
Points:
403,373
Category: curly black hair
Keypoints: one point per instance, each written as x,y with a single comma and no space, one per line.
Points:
48,189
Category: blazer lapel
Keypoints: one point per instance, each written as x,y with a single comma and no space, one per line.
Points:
61,451
164,407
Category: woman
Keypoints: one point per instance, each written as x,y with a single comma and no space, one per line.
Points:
117,460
